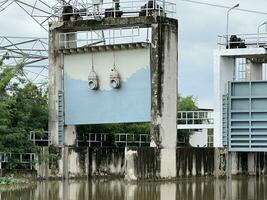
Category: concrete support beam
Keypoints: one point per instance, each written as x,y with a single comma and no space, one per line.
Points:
56,68
108,23
254,71
164,62
70,135
251,164
234,163
223,73
55,84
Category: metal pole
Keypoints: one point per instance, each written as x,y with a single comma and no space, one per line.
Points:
258,32
258,36
227,23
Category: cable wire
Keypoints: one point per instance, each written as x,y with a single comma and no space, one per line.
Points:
225,7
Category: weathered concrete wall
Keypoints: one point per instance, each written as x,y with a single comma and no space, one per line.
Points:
142,163
145,163
195,161
106,162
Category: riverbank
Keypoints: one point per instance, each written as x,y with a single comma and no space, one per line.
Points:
12,181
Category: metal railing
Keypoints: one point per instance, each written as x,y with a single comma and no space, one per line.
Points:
120,140
92,139
22,158
126,8
104,37
41,138
123,139
243,41
195,117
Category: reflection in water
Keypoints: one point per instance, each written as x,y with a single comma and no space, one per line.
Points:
184,189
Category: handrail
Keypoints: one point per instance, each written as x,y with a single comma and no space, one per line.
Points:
120,139
40,136
249,40
195,117
128,8
23,158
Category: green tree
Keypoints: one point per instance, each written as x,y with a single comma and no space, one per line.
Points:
188,103
23,108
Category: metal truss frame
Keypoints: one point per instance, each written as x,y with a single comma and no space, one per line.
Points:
32,51
38,10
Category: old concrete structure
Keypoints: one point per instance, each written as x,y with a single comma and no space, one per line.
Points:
145,163
71,103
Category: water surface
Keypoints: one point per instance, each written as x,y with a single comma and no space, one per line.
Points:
184,189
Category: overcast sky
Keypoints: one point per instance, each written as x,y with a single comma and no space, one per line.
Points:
199,26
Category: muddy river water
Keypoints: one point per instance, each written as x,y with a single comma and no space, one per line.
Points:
184,189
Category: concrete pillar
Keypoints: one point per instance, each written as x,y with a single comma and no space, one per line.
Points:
234,163
130,172
164,72
56,71
223,73
70,135
251,164
220,162
55,84
65,162
254,71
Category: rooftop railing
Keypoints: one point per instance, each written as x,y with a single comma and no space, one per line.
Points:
242,41
195,117
125,8
104,37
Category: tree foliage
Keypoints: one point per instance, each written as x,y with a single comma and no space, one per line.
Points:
188,103
23,109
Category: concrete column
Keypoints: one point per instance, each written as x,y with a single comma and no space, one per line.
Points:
234,163
70,135
164,62
254,71
220,162
251,164
223,73
55,84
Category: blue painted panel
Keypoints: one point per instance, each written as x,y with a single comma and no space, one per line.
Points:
248,116
130,103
